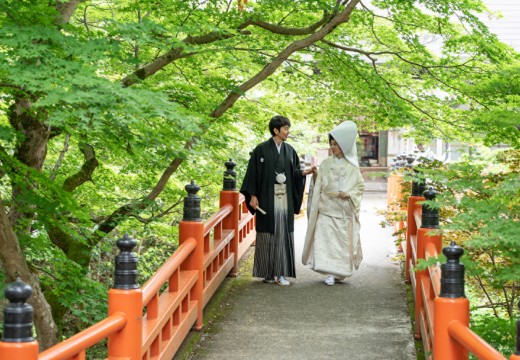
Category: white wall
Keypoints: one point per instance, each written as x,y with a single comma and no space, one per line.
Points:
503,20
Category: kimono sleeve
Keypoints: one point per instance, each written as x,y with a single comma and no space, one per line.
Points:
299,184
250,183
357,192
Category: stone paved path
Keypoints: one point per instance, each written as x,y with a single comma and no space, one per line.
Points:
364,318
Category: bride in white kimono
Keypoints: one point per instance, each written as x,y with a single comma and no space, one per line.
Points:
332,244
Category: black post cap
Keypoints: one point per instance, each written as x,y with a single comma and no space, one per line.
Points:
452,272
418,185
230,176
430,215
192,203
126,265
18,315
409,161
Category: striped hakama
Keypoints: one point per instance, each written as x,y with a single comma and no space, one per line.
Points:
274,253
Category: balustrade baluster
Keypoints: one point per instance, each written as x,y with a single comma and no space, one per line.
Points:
192,227
230,176
230,196
191,203
126,297
18,342
451,305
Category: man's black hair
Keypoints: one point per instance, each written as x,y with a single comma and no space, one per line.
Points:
277,122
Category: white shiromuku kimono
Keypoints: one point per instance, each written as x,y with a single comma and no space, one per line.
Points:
332,242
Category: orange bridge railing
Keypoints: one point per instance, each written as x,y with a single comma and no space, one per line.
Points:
150,321
441,307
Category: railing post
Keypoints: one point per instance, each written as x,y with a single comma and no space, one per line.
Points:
516,354
192,227
126,297
419,185
230,195
428,222
411,226
451,305
230,176
17,342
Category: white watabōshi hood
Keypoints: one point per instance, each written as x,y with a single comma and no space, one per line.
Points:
345,135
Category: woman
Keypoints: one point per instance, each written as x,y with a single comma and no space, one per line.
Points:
332,245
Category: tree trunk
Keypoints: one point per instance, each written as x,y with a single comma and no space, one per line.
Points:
31,151
16,266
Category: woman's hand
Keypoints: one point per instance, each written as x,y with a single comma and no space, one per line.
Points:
343,195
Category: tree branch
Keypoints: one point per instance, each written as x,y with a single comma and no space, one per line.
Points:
52,175
66,9
426,68
178,52
283,30
111,222
159,215
270,68
11,86
86,171
390,86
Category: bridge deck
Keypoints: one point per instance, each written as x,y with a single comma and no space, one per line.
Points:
365,317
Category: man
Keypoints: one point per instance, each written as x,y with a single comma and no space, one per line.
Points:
273,186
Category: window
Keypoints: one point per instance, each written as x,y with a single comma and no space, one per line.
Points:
368,149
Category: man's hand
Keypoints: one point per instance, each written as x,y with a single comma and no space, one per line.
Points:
253,202
312,170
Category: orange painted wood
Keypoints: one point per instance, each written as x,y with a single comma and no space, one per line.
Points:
411,234
472,342
168,303
162,275
77,344
448,310
128,341
217,218
216,246
19,351
195,230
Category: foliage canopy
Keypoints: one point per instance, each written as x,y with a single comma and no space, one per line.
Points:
107,108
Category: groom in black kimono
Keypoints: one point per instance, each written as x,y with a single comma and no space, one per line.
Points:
273,186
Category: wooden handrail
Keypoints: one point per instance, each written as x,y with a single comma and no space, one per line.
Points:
217,218
473,342
441,322
143,322
85,339
152,286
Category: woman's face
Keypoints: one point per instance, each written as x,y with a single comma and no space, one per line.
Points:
336,150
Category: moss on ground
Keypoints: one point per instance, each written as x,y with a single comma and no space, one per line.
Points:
411,311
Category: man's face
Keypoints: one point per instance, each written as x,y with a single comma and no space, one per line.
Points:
283,133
